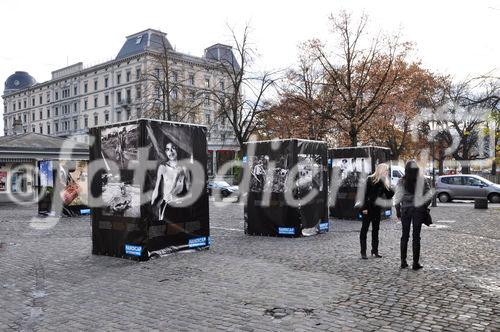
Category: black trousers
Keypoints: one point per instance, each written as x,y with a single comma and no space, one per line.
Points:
409,216
374,219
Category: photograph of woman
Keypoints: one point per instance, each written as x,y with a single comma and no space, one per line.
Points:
172,181
377,186
410,211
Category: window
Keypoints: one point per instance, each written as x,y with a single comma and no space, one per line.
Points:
207,82
24,103
95,85
96,119
221,85
85,104
207,118
33,128
118,78
48,97
175,76
40,128
128,114
19,105
86,122
95,102
138,73
48,129
118,116
40,99
138,92
85,87
75,90
106,82
14,106
48,112
106,117
138,40
207,100
174,94
65,123
33,116
40,114
33,101
396,174
453,180
65,109
56,127
57,95
75,107
24,118
128,75
470,181
106,100
75,124
119,97
57,111
129,95
191,79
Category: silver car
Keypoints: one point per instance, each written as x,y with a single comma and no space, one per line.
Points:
465,186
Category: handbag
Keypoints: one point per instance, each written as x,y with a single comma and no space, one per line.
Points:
427,217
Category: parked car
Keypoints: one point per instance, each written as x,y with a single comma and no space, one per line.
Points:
397,172
465,186
225,188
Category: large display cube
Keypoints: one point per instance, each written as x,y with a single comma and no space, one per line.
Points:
351,163
63,187
286,168
149,188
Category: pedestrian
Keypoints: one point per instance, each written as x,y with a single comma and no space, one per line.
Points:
377,188
412,199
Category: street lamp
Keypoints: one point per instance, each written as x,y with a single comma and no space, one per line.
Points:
432,126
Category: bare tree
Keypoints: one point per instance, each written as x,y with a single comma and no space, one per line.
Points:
244,98
166,94
359,80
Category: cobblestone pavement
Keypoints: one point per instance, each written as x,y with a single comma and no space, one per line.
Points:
50,281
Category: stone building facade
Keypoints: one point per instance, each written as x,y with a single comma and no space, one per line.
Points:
77,98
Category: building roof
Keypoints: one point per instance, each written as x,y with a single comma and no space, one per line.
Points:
147,40
38,146
18,81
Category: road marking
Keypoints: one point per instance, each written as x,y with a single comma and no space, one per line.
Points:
449,221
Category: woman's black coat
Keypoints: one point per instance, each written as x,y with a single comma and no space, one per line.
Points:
374,191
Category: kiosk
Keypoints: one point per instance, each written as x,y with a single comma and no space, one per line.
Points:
283,176
149,181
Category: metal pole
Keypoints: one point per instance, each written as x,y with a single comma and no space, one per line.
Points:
434,203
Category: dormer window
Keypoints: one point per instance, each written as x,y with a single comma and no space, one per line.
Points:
138,40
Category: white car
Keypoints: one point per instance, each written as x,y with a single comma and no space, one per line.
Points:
397,172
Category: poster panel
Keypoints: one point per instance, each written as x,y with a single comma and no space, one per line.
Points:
173,225
3,181
119,146
353,164
72,186
270,170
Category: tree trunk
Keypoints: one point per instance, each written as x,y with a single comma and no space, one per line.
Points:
353,135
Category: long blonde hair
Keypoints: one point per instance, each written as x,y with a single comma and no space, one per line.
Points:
377,175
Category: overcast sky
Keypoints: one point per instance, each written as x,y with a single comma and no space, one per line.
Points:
460,38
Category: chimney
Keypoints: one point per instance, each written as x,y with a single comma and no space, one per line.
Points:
18,127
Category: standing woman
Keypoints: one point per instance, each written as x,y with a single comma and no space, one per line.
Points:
377,186
413,196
